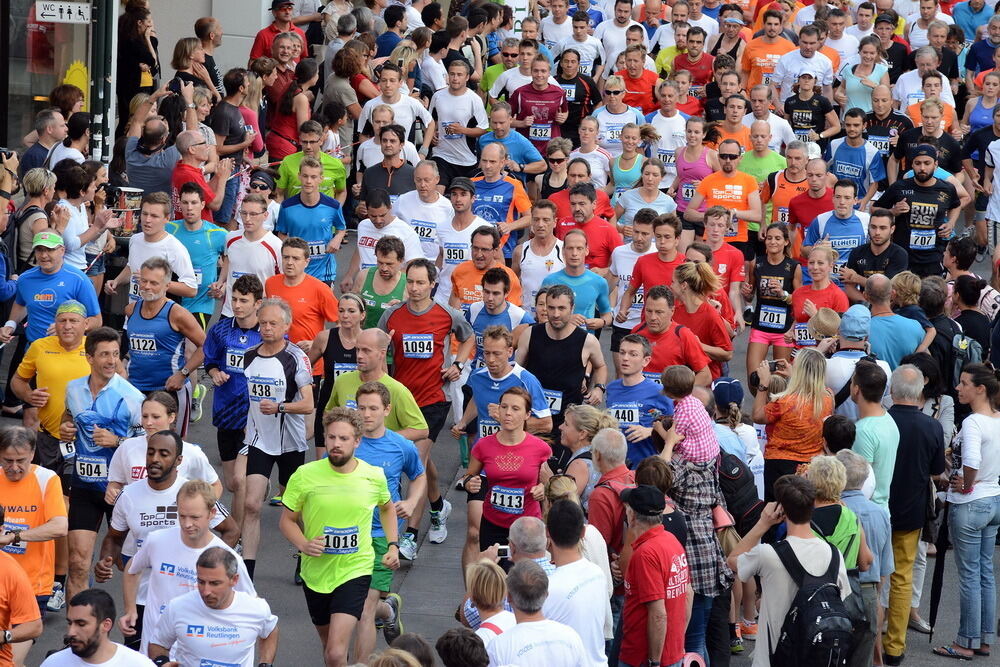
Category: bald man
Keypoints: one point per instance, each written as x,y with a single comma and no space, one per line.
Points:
883,125
892,336
761,162
500,198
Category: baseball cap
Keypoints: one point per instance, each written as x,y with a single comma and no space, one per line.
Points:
925,149
726,391
808,74
855,324
275,4
72,306
47,240
462,183
885,18
645,500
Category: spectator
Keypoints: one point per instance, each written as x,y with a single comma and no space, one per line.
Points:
877,437
137,59
77,142
290,111
208,30
232,137
487,592
396,26
832,520
933,298
51,128
416,646
149,162
460,647
967,299
193,151
850,346
264,41
892,336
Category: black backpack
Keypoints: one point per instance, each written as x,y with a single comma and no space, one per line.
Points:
817,630
740,492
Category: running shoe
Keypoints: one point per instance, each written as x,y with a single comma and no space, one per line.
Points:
748,629
58,598
196,400
407,546
275,501
438,532
393,627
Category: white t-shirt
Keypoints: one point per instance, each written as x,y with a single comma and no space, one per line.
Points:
781,130
672,133
908,90
61,152
504,621
663,38
261,258
369,153
613,36
623,259
434,73
425,218
917,36
553,33
790,65
128,464
200,635
839,369
413,18
600,165
980,449
858,33
273,208
578,593
539,644
845,47
368,236
754,457
78,224
123,657
510,80
595,549
173,573
457,247
706,23
407,109
170,249
591,52
779,589
458,109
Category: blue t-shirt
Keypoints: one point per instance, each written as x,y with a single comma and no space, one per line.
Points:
317,225
205,246
486,389
845,235
33,157
386,42
42,293
396,456
638,405
519,147
894,337
590,289
480,319
861,164
492,203
225,346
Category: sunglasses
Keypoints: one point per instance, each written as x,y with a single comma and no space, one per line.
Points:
509,55
557,160
729,156
614,92
259,186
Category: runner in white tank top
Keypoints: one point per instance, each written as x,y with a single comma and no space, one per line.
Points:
536,268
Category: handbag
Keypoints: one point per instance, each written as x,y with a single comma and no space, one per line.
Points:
725,529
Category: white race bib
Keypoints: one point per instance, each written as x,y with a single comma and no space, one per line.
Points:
803,335
507,500
138,343
418,346
554,399
91,468
922,239
772,317
262,389
488,427
340,541
540,131
234,360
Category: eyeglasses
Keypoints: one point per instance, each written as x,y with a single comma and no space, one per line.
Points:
729,156
251,214
614,92
557,160
259,186
200,143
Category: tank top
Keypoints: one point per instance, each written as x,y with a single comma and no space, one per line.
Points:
548,190
556,364
337,360
375,303
773,314
535,268
156,350
626,179
731,52
981,116
688,173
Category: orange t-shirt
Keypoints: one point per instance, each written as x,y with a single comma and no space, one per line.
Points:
313,305
742,135
19,605
30,503
760,59
794,433
947,121
467,283
833,56
733,193
778,191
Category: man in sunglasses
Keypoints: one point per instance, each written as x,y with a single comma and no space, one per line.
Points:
195,152
508,59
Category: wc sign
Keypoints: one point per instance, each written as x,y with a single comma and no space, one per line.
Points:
62,12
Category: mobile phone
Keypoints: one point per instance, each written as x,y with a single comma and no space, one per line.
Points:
503,551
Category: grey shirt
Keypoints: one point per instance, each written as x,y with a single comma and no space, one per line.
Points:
150,172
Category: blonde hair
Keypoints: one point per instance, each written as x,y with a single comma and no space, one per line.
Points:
831,255
935,103
255,92
393,657
614,80
404,55
198,488
807,383
777,385
183,49
486,584
201,95
699,276
829,476
589,419
561,487
905,288
136,101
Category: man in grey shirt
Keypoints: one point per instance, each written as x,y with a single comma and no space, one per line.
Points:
149,163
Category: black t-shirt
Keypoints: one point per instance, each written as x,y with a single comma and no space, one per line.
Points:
975,147
880,132
715,110
916,230
581,96
923,440
805,115
214,74
896,56
949,63
949,150
976,326
675,523
889,262
227,121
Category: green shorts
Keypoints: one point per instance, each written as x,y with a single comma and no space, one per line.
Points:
381,575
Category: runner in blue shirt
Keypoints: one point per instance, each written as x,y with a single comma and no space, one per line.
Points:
591,302
636,401
843,227
205,242
501,199
315,217
854,158
41,289
495,310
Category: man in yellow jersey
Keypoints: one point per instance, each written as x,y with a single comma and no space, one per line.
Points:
333,500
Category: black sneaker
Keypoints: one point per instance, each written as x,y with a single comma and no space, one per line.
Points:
393,628
298,569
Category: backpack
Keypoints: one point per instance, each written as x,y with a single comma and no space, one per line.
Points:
739,490
816,630
845,391
966,351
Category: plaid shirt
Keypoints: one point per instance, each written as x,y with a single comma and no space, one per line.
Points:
693,422
696,492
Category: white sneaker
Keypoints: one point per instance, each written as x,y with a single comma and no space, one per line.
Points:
407,546
58,598
438,532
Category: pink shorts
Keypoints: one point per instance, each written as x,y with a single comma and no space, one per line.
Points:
768,338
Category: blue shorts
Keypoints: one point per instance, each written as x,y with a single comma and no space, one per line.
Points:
98,267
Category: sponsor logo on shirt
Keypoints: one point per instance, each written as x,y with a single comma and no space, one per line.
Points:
195,631
163,515
45,297
20,509
213,631
168,569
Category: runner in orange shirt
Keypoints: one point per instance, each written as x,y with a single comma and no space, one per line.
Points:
761,54
732,128
779,188
18,611
467,278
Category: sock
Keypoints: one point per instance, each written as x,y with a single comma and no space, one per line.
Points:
250,563
732,631
437,505
61,580
385,612
414,532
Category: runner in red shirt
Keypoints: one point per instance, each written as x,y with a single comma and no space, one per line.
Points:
694,283
539,107
696,61
806,207
673,345
822,293
727,260
651,270
195,151
640,83
602,236
578,171
700,252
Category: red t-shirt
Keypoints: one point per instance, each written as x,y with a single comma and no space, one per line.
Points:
830,296
707,324
542,105
564,215
185,173
641,92
729,264
802,210
418,347
602,239
510,472
701,71
658,570
677,346
650,270
263,43
692,107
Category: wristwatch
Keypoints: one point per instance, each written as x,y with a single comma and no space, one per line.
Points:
192,105
265,664
185,372
6,636
281,408
394,543
17,537
159,661
459,365
601,387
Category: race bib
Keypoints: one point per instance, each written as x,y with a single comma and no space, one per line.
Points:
625,414
772,317
540,131
67,449
133,288
455,253
782,216
262,389
613,135
667,157
638,299
234,360
198,275
507,500
687,191
12,549
802,134
803,335
207,662
881,143
570,88
418,346
340,369
340,541
766,78
425,229
139,343
554,399
655,377
488,427
317,249
91,468
922,239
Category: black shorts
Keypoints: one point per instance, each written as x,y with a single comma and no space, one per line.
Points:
230,442
348,598
48,455
86,508
747,248
203,319
697,227
448,172
925,269
617,333
490,534
262,463
435,414
982,201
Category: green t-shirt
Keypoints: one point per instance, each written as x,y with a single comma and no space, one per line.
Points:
760,169
334,175
338,506
404,413
877,439
490,76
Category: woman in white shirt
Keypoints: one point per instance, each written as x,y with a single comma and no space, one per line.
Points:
487,587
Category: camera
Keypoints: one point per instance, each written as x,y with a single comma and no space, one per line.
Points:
6,153
772,366
503,551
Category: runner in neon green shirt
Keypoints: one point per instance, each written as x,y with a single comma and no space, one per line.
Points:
334,183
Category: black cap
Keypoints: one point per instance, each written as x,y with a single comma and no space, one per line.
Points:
885,18
645,500
261,176
275,4
462,183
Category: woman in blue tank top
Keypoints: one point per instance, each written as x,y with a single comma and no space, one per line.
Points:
979,110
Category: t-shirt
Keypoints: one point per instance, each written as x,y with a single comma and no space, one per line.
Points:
487,389
313,305
278,378
602,239
877,439
18,598
510,317
202,635
334,175
762,167
123,657
807,115
732,191
316,225
502,200
227,121
641,93
701,71
845,234
861,164
42,293
511,471
128,463
426,219
830,296
185,173
650,271
466,110
760,59
29,503
369,235
407,109
170,249
728,264
791,64
623,260
590,290
707,324
544,643
403,412
794,431
889,262
337,506
893,337
543,105
53,367
204,245
637,405
495,625
149,172
779,590
578,593
677,345
916,230
397,456
261,258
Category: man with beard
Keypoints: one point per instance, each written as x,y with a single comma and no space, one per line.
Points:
90,617
879,255
926,210
247,621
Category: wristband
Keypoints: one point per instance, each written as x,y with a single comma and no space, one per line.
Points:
11,323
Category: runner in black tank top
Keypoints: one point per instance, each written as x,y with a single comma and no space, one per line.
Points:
773,314
557,365
549,190
337,360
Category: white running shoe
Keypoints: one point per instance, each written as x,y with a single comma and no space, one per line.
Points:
438,532
58,598
407,546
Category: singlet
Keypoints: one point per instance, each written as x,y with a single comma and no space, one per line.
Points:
772,313
547,190
688,173
556,363
536,268
337,360
156,349
626,179
731,52
981,116
375,303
